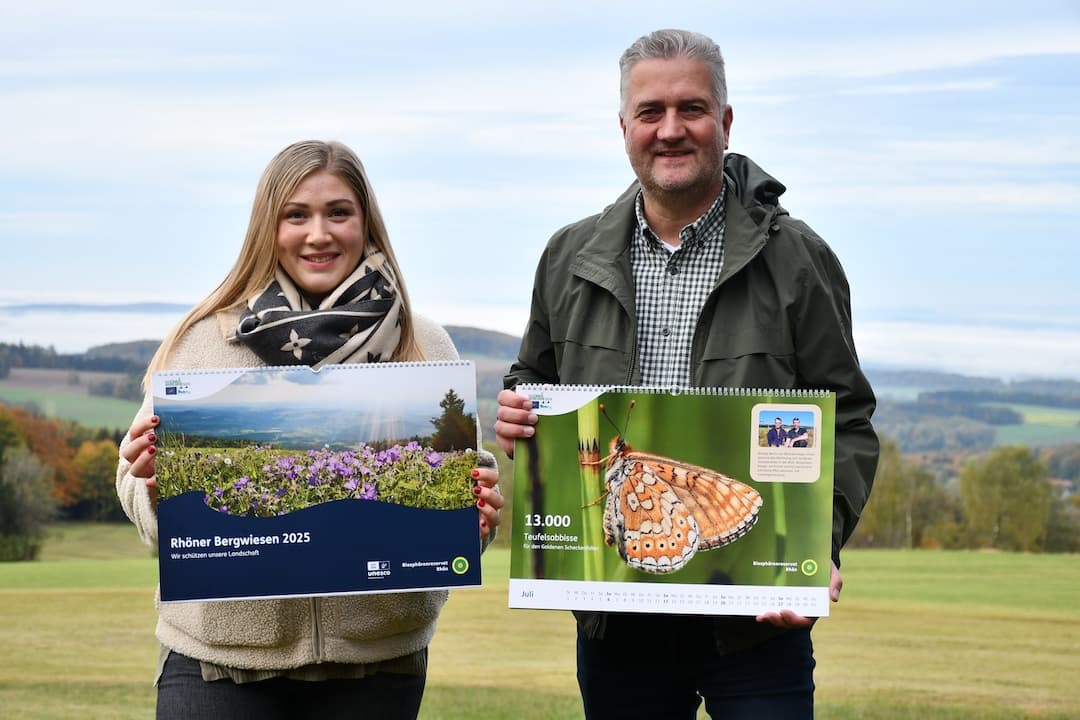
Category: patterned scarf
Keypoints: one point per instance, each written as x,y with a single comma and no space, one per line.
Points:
360,321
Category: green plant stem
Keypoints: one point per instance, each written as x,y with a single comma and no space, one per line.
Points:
591,488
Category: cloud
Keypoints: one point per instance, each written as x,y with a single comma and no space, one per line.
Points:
970,350
405,196
24,223
923,88
140,129
874,55
112,65
936,196
1037,152
108,132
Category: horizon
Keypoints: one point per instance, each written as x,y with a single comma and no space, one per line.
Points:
934,146
949,346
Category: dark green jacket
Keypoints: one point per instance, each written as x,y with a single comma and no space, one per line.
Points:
778,316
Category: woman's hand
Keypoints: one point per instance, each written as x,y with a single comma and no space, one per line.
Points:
140,451
488,499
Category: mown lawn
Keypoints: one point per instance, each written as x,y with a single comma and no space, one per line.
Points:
951,635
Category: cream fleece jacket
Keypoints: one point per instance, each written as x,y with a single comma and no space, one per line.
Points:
283,634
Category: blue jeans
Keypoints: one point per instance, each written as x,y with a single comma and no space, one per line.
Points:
184,695
660,667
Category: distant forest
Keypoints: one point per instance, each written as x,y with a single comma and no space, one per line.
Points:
133,357
484,343
945,478
955,412
130,357
947,411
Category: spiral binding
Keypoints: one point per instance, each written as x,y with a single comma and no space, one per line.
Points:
297,368
787,393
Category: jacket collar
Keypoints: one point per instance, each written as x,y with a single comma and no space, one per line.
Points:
752,204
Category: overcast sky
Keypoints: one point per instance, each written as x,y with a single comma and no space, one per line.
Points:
935,146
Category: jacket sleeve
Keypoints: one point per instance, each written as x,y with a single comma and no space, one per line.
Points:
133,493
536,357
826,357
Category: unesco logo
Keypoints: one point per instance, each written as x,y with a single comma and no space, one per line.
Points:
378,568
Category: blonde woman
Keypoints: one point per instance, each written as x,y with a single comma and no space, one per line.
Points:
316,260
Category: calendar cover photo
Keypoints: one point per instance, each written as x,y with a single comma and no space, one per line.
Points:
713,501
284,481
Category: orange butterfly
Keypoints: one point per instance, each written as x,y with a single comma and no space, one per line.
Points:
659,511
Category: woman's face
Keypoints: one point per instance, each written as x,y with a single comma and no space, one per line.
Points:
320,234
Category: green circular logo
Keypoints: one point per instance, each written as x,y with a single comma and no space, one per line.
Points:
809,567
460,565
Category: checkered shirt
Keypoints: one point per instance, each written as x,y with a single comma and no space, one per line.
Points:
670,290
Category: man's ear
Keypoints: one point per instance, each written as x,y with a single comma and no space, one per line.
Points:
725,122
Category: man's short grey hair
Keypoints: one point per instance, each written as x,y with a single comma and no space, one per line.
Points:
668,44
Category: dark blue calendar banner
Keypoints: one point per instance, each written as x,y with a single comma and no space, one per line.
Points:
340,547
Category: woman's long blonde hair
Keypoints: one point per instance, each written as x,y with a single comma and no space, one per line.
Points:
254,268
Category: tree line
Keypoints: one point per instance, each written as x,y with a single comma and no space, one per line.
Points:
1009,498
114,359
36,356
959,493
50,470
957,412
1003,499
958,419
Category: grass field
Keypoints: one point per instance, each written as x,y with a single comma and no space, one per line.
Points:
87,410
951,635
1042,426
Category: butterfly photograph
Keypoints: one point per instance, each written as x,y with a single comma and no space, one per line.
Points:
649,486
659,511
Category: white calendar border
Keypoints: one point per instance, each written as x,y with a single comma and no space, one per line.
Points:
666,598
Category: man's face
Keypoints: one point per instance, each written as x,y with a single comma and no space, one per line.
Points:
777,424
674,129
795,422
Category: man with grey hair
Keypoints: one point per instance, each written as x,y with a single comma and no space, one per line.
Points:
695,276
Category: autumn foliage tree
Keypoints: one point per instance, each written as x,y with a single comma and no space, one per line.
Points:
49,441
77,465
95,462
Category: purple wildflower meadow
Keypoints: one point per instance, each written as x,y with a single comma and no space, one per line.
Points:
264,481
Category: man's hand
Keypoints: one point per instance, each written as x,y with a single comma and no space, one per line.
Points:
790,620
515,420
